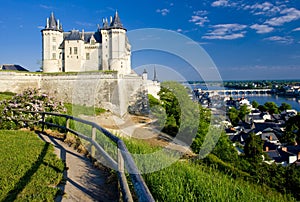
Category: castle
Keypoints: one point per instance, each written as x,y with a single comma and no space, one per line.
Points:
107,48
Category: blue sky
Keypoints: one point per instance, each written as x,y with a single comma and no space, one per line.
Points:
245,39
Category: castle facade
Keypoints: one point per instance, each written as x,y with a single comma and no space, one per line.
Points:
107,48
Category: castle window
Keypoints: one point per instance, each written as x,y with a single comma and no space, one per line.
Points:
54,48
53,56
75,50
54,39
87,56
93,42
70,50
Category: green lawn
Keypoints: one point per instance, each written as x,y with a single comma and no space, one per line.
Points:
29,170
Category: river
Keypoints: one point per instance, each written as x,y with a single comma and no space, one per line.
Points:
261,99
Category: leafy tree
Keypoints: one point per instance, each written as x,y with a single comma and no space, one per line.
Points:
253,148
271,107
182,113
153,101
262,108
284,106
224,149
292,131
233,114
255,104
236,115
243,111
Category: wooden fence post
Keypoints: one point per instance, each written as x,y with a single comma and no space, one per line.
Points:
93,149
67,123
125,191
43,122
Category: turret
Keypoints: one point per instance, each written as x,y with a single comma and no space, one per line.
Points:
119,59
145,75
52,38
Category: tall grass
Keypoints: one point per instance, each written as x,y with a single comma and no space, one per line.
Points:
29,171
187,181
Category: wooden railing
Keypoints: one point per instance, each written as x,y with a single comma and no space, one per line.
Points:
124,158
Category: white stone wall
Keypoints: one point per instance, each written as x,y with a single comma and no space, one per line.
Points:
90,89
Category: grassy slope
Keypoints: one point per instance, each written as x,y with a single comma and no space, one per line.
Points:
29,170
185,181
6,95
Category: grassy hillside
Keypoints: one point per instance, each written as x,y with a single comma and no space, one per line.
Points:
6,95
29,170
186,181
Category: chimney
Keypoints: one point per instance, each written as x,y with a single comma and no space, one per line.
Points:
82,36
284,149
47,26
270,137
267,148
298,156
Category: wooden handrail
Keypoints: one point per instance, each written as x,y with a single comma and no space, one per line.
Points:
125,160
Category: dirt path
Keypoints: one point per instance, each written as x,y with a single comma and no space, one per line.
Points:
139,127
84,182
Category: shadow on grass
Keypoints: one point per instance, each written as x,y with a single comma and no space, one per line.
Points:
18,188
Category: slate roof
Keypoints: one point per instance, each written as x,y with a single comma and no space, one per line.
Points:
76,35
53,24
116,22
13,67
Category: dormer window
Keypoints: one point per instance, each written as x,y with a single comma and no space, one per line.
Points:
92,40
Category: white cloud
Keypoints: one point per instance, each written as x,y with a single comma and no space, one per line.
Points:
262,29
265,8
46,7
163,11
41,27
179,30
280,39
297,29
199,20
220,3
288,15
201,12
226,31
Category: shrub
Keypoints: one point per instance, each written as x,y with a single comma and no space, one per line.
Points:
12,115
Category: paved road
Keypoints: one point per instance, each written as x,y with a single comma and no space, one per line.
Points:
83,181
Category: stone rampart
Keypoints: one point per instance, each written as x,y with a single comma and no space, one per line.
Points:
99,89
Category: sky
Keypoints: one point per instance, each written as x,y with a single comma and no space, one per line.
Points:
246,40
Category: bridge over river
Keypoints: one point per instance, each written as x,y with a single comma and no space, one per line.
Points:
238,92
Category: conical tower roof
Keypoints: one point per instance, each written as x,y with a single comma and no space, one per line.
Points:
116,22
52,23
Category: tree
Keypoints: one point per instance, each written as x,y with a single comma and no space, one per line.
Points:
292,130
284,106
254,104
233,114
262,108
243,111
253,148
271,107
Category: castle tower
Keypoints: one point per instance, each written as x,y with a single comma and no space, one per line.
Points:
52,37
119,48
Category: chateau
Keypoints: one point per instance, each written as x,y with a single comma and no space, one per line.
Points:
107,48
